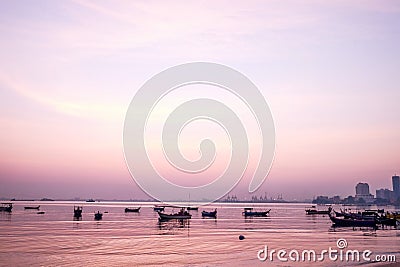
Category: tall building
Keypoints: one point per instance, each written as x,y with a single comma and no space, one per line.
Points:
385,194
362,192
362,189
396,186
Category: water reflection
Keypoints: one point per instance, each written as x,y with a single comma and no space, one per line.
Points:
169,224
173,227
77,218
5,216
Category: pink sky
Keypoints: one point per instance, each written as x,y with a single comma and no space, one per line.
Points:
69,69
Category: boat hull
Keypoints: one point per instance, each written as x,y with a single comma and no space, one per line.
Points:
164,216
317,212
212,214
352,222
32,208
256,213
132,210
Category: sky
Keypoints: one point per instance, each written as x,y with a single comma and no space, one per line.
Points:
329,71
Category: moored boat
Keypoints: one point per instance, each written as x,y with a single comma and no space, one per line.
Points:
192,208
132,209
32,207
98,216
351,222
212,214
313,210
248,212
181,215
7,207
77,211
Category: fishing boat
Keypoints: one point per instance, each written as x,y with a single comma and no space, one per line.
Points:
248,212
192,208
7,207
98,216
32,207
132,209
313,210
40,212
351,222
159,208
181,215
77,211
212,214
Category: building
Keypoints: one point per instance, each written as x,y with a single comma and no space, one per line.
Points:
384,194
362,189
362,192
396,186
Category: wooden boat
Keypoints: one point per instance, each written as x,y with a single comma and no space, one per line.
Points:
181,215
212,214
32,207
7,207
77,211
351,222
98,216
159,208
132,209
248,212
192,208
313,210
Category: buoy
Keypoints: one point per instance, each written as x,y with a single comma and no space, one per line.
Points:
241,237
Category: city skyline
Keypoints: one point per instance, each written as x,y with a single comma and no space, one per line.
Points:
69,70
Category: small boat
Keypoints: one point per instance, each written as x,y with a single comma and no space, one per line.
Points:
32,207
7,207
342,222
132,209
40,212
192,208
159,208
90,200
212,214
181,215
98,216
313,210
77,211
248,212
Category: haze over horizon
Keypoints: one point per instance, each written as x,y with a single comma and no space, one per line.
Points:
328,70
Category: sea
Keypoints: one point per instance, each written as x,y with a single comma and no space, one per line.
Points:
55,238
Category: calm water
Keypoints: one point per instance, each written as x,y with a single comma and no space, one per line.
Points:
129,239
